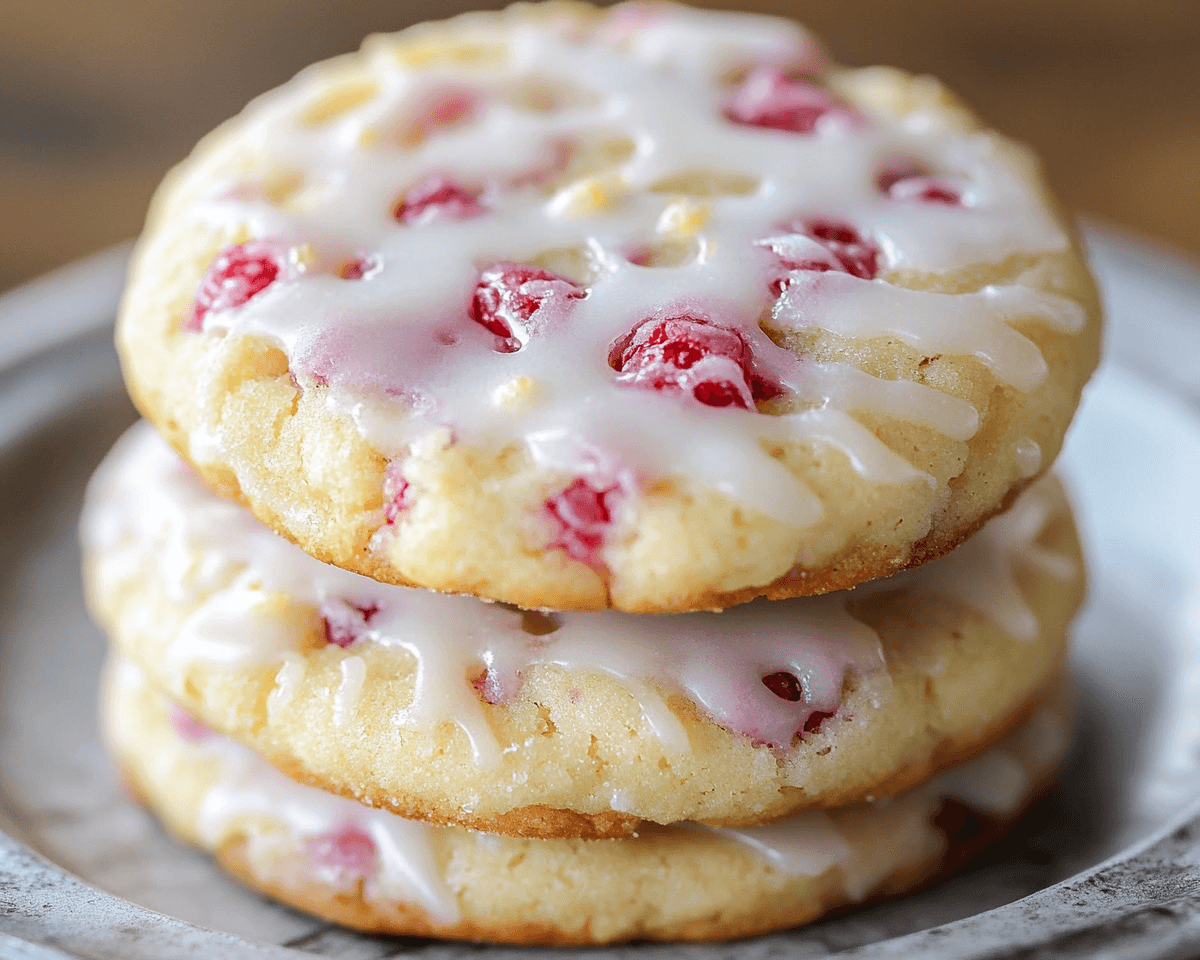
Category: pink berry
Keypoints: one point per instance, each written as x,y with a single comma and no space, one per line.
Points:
690,355
784,685
583,512
349,849
903,179
787,686
345,621
439,109
238,274
448,108
509,294
396,493
815,719
844,250
641,255
488,688
772,99
438,197
188,727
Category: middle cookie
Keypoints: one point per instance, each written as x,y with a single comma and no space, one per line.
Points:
452,710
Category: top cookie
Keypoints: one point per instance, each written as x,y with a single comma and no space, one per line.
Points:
649,308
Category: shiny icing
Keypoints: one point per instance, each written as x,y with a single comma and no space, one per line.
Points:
407,865
518,112
405,868
981,573
215,558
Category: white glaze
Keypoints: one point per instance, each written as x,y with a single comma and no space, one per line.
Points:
649,76
214,554
973,324
1029,457
345,700
803,846
996,784
982,573
407,866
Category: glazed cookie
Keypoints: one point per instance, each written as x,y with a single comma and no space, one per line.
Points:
453,710
647,308
373,870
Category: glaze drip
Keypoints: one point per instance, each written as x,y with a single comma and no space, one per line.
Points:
673,203
401,860
235,572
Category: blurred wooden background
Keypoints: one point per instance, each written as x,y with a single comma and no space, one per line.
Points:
99,97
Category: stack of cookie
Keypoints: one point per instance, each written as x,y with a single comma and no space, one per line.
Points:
660,348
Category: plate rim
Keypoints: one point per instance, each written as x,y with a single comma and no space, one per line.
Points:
1142,903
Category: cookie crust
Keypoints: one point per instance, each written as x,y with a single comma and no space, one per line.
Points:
656,885
318,456
589,733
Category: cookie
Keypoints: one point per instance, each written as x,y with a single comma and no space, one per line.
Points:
648,308
375,871
454,710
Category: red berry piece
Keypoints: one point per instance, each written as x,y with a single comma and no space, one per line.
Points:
690,355
435,198
350,850
509,294
815,719
440,109
854,253
840,247
786,686
397,494
237,275
774,100
188,727
488,688
453,106
907,180
345,621
584,513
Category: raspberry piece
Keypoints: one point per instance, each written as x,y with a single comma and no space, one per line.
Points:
815,719
188,727
907,180
854,253
690,355
774,100
439,110
840,247
451,107
584,513
896,170
785,686
238,274
509,294
488,688
349,849
438,197
346,621
396,497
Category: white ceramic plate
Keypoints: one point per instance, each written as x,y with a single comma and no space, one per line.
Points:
1108,866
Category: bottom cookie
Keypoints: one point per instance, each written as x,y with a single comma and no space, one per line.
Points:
375,871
